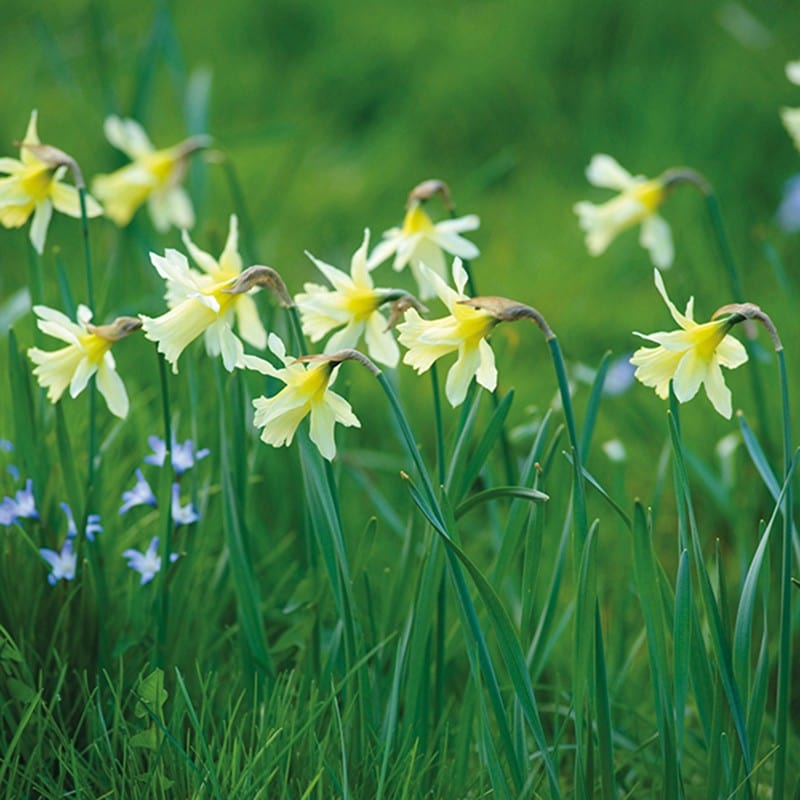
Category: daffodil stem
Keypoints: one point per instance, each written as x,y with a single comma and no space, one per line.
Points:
87,250
237,196
725,251
166,510
504,443
296,330
408,440
729,263
783,692
581,520
437,421
35,285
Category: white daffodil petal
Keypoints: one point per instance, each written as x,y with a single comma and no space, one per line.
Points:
656,238
110,385
605,171
41,219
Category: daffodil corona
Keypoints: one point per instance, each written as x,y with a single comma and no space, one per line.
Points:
464,331
307,393
690,357
421,241
352,306
34,186
638,201
88,352
153,177
200,303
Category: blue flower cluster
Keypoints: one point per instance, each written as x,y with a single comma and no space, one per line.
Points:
182,457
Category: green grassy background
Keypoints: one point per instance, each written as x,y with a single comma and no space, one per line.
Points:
330,113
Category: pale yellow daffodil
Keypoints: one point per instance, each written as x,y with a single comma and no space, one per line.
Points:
88,352
351,306
791,116
34,186
200,303
306,393
153,177
422,241
637,202
689,357
464,331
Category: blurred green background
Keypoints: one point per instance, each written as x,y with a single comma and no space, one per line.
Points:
331,112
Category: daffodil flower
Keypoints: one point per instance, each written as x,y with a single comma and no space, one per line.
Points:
88,352
352,306
637,202
34,186
153,177
791,116
464,331
306,393
201,303
421,241
689,357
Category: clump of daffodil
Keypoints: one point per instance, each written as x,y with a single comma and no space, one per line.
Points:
791,116
88,352
153,177
34,186
206,302
691,356
421,241
638,202
352,306
306,393
463,331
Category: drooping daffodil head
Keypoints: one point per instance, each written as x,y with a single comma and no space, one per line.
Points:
154,177
307,393
464,331
35,186
88,352
690,357
637,203
205,303
420,240
351,308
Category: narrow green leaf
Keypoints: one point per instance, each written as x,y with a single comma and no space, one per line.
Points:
592,406
490,436
532,495
682,644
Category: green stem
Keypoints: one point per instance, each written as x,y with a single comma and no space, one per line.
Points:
87,250
162,616
785,640
729,263
437,419
240,205
579,500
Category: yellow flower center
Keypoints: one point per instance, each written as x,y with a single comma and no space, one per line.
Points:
95,346
160,165
473,324
650,194
314,383
36,182
416,221
361,303
708,338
